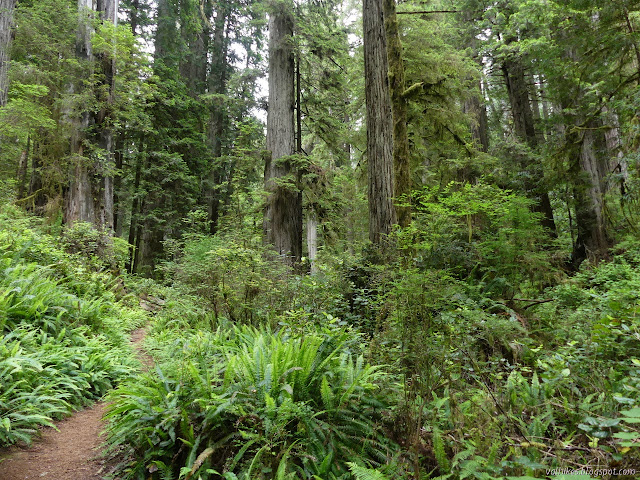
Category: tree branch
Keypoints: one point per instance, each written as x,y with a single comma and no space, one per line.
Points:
423,12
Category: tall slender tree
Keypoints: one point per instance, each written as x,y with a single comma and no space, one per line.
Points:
524,127
217,84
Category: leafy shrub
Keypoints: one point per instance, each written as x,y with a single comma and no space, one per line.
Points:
99,247
237,281
465,228
45,376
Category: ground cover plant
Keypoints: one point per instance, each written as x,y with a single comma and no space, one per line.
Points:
63,346
242,402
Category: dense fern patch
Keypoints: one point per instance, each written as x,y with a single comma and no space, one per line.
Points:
63,345
247,403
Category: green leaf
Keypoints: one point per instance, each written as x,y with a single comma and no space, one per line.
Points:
627,435
634,412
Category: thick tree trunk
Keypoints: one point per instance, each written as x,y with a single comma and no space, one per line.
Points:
78,205
193,65
166,33
89,197
382,214
589,188
108,10
618,172
523,122
6,23
401,159
479,122
283,210
524,127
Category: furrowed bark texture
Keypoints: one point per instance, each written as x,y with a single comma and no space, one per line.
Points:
217,84
283,211
79,204
401,164
382,214
6,23
589,173
90,194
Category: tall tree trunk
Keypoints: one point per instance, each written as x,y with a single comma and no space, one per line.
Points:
545,107
524,126
193,64
135,213
6,23
589,188
312,239
401,159
479,122
217,84
108,10
37,199
118,207
382,214
134,18
166,33
618,169
79,206
90,194
283,210
22,170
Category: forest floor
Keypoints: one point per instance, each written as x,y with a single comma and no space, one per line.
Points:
74,451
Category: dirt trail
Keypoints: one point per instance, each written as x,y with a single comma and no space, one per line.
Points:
72,453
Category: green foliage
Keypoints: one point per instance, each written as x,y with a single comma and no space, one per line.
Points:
479,229
62,346
252,403
362,473
46,376
100,249
238,282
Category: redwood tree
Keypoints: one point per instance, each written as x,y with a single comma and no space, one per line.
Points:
6,21
401,164
89,197
283,210
382,214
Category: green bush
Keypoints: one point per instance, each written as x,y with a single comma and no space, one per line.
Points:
44,376
478,229
100,248
238,282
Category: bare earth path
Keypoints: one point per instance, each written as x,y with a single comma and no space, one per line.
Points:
73,453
